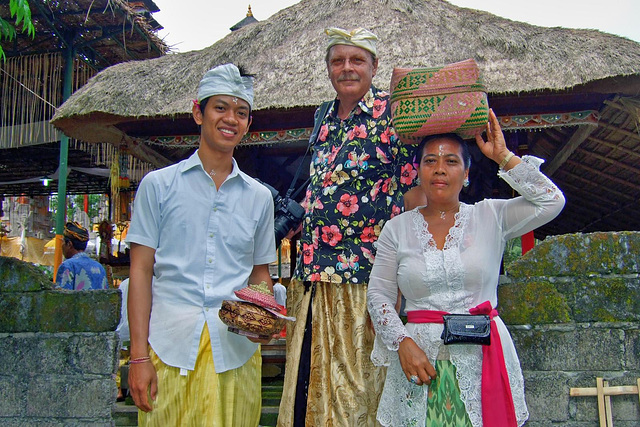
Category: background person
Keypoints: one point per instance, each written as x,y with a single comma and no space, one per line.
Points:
201,229
359,170
445,257
79,271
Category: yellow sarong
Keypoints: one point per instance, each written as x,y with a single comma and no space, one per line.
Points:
203,397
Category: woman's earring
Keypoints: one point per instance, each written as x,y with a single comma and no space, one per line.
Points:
418,181
465,184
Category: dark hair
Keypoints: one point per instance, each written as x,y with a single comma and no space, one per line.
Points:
326,57
77,244
243,73
466,155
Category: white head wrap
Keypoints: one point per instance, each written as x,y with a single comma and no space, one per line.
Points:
226,80
358,37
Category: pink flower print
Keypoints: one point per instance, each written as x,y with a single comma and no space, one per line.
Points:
368,234
331,235
322,134
378,107
348,204
382,156
314,237
357,132
307,253
375,190
385,136
395,210
368,254
408,174
389,186
315,277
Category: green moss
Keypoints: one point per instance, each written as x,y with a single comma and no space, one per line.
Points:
581,254
21,276
535,302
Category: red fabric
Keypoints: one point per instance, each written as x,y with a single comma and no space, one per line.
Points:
497,402
528,242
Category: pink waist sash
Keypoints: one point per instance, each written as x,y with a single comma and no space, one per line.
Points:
497,402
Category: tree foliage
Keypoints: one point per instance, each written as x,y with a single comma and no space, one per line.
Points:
21,14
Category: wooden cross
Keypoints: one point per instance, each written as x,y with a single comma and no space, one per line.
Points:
604,393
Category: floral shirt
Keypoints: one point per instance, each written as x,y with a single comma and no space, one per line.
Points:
80,272
359,171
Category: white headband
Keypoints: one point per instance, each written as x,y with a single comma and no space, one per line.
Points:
226,80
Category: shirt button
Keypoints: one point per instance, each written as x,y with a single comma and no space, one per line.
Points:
210,260
215,209
210,234
206,309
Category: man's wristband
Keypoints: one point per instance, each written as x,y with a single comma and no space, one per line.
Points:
506,159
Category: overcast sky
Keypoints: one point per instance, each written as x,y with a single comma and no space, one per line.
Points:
196,24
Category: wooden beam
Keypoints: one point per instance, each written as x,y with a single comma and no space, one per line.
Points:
614,146
612,162
605,176
625,132
578,137
611,191
146,154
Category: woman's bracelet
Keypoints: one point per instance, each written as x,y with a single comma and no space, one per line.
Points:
506,159
139,360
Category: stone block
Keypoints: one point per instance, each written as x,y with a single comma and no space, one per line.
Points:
99,310
632,348
606,299
547,395
58,311
95,354
625,408
581,254
70,396
19,311
21,276
533,302
12,397
569,347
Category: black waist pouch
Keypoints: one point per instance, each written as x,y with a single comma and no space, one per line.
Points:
466,329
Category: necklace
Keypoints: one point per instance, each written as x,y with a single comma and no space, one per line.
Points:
443,214
212,173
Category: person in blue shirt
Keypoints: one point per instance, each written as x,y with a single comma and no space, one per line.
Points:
201,229
79,272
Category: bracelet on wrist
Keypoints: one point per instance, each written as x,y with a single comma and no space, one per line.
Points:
506,159
140,360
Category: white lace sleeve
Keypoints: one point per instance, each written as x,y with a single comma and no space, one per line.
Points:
541,199
382,294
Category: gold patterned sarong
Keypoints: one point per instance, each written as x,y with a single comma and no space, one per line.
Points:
203,397
344,385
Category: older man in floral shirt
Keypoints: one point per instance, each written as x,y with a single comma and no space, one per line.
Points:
359,171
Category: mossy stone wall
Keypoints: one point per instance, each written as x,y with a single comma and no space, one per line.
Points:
59,351
572,305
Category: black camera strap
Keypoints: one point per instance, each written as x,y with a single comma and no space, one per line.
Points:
322,112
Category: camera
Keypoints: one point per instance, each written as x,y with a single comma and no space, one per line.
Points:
287,213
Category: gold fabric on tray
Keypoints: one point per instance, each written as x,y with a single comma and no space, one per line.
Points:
344,386
204,398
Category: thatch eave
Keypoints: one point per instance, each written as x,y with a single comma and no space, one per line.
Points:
286,53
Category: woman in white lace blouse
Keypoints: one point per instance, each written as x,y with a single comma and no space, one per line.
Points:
444,257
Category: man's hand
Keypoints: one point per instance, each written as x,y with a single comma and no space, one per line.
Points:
142,381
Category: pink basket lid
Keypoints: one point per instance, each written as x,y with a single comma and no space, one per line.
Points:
259,295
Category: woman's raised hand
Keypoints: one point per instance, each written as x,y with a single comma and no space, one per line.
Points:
495,147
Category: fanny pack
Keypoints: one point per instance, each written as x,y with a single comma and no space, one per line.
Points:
466,329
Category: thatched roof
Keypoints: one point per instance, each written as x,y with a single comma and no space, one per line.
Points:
530,71
286,53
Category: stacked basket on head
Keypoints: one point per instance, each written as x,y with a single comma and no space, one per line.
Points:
447,99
